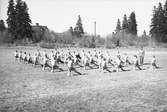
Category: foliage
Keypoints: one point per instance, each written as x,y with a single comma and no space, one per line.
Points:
2,25
38,33
132,25
78,30
86,41
5,37
11,20
99,41
118,27
125,24
158,25
18,21
23,22
47,45
110,42
127,39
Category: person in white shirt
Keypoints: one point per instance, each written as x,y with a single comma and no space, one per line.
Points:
53,63
24,57
28,58
16,55
20,56
35,60
119,64
100,57
141,56
104,65
44,64
136,63
153,63
71,67
125,59
86,61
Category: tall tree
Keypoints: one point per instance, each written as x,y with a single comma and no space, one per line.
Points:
132,25
27,23
153,26
125,24
164,31
118,27
19,19
2,25
157,23
78,30
11,20
23,22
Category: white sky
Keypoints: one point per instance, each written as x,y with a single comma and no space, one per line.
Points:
59,15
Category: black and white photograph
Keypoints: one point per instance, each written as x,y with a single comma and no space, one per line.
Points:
83,55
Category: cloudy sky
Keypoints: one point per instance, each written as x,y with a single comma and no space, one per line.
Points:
59,15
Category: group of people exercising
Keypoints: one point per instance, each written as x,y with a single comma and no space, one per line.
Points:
72,57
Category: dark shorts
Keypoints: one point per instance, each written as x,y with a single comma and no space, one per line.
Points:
16,56
70,68
105,67
153,64
136,64
119,66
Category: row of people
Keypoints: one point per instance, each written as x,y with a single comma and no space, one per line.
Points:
71,58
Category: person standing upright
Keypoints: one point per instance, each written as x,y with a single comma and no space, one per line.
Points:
141,56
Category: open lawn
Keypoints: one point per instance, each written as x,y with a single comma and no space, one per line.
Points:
24,88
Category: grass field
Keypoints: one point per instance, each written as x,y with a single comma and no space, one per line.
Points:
24,88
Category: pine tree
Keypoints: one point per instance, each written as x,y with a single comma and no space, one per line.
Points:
132,25
19,19
23,22
11,20
125,24
78,30
2,25
164,31
27,31
118,27
153,26
157,23
160,23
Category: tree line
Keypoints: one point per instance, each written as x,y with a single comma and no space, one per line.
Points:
18,21
128,25
158,25
19,27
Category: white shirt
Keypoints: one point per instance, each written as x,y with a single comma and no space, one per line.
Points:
153,60
15,54
118,61
44,60
69,63
24,56
135,60
103,62
53,61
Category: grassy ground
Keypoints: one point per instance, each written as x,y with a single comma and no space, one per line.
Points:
24,88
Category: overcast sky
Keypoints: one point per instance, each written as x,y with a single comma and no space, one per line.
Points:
59,15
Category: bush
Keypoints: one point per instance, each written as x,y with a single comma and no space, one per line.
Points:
47,45
125,40
23,42
110,42
86,41
5,37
